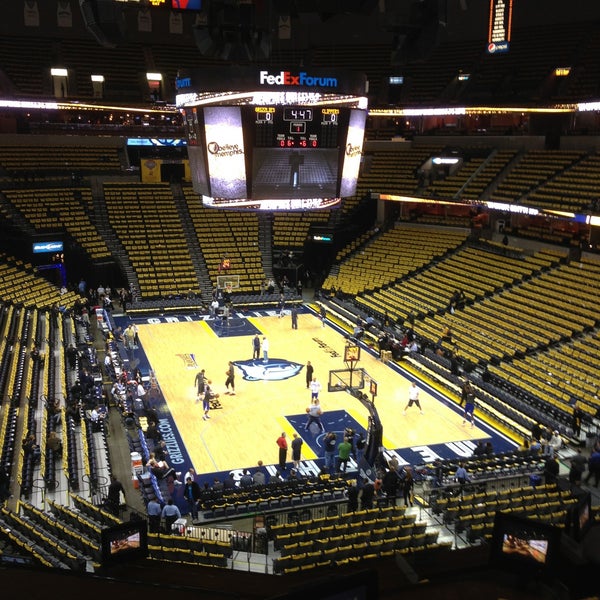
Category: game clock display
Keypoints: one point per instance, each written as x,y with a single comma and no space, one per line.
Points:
297,126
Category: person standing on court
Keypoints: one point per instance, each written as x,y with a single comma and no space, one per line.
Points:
265,349
314,415
323,314
330,444
296,449
469,414
344,450
208,396
230,381
309,374
294,313
256,346
413,397
283,448
315,388
200,383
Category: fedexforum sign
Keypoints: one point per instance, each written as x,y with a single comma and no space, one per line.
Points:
302,79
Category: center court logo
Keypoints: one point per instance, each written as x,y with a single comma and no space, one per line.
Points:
276,369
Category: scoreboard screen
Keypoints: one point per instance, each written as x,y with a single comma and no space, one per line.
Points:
282,152
296,127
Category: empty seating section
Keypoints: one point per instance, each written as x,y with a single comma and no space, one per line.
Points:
527,317
476,272
20,284
27,62
359,535
472,514
212,549
533,169
29,162
371,59
474,189
49,210
451,186
122,68
66,526
232,234
38,531
148,225
394,171
574,190
428,81
391,256
170,59
290,229
523,73
273,497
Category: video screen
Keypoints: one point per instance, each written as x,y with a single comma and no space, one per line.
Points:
535,549
124,542
294,173
127,542
524,544
582,517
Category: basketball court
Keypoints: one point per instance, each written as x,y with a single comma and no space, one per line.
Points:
272,396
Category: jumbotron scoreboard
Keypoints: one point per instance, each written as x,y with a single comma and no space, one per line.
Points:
283,141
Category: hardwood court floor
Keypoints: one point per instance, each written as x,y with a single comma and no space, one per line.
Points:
245,429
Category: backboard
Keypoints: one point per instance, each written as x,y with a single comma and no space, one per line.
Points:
340,380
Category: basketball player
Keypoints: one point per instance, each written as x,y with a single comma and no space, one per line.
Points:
315,388
200,382
469,414
413,397
230,381
314,415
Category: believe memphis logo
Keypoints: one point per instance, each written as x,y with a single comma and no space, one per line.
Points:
275,369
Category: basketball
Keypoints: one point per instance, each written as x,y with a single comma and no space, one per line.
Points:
307,409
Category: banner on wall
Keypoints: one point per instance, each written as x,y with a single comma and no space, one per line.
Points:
150,170
176,23
64,15
284,30
144,20
31,13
